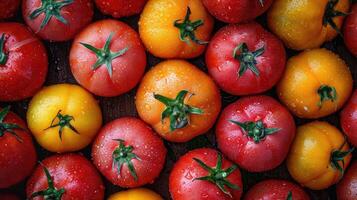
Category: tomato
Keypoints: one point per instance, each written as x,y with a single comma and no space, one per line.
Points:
64,118
8,8
316,83
349,119
107,58
276,189
178,100
245,59
20,76
120,8
18,155
255,132
307,24
57,20
65,176
347,187
175,29
350,31
205,174
318,155
233,11
128,153
8,196
136,194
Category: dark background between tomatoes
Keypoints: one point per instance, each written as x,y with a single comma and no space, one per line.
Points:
113,108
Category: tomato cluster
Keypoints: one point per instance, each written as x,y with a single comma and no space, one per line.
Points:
177,102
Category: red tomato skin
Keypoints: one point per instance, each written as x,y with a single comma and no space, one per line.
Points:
224,68
182,186
347,187
233,11
26,67
147,146
350,30
8,196
120,8
241,149
8,8
73,172
17,159
78,15
274,189
348,119
127,69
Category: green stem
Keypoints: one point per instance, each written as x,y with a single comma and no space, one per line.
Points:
247,59
3,56
8,127
339,156
256,130
326,93
290,196
63,121
331,13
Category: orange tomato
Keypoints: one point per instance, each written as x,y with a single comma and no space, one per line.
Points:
136,194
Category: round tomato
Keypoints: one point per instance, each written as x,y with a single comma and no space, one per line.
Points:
316,83
8,8
233,11
347,187
350,31
128,153
349,119
64,118
58,20
307,24
178,100
23,62
245,59
276,189
136,194
318,155
8,196
175,29
107,58
120,8
203,174
18,155
256,133
65,177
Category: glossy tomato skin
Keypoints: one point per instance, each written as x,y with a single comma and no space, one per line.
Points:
73,172
136,194
25,69
348,119
347,187
147,146
8,8
120,8
77,14
234,142
18,155
127,68
224,68
182,185
350,31
232,11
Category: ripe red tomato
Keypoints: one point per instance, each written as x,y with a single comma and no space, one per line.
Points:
23,62
8,196
65,176
18,155
8,8
128,153
58,20
349,119
233,11
256,133
107,58
347,187
204,174
274,189
350,30
245,59
120,8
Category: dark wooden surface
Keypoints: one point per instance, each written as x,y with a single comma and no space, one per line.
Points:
113,108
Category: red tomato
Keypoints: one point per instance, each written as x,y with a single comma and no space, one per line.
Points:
349,119
274,189
23,62
8,8
58,20
120,8
245,59
256,133
8,196
128,153
347,187
18,155
350,30
107,58
203,174
233,11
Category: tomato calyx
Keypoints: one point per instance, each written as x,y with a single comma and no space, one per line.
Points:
247,59
177,110
290,196
339,156
217,175
326,93
331,13
124,155
3,56
50,8
104,55
255,130
63,121
7,127
188,28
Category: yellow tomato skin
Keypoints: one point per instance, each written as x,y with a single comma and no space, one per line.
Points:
305,74
309,159
299,23
161,37
70,100
136,194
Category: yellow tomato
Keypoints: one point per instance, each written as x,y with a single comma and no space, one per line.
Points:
135,194
64,117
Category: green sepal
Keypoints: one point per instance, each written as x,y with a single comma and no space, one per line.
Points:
339,155
63,121
331,13
3,56
8,127
290,196
255,130
326,93
247,59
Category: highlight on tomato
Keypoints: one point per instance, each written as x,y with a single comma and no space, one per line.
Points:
120,8
136,194
346,188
